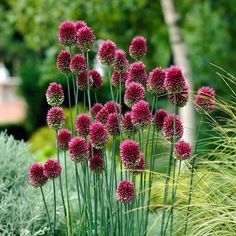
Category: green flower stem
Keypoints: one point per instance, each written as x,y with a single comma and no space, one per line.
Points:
55,207
46,208
70,108
95,203
77,188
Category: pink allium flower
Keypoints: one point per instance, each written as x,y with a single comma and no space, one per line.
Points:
116,76
78,64
205,99
125,192
141,114
159,118
106,52
63,62
180,98
85,38
63,139
98,134
82,81
55,118
112,107
96,108
182,150
155,82
137,73
82,124
67,33
96,164
51,168
94,151
134,92
138,47
129,152
121,63
102,116
79,24
113,124
96,79
127,125
55,94
138,167
174,81
78,149
36,176
168,128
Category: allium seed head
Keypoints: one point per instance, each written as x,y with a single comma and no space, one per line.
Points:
113,124
79,24
159,118
55,118
137,73
96,79
78,149
67,33
182,150
125,192
63,62
106,52
126,124
82,124
155,82
36,175
96,108
181,98
51,168
63,139
85,38
138,47
116,76
54,94
78,64
121,63
96,164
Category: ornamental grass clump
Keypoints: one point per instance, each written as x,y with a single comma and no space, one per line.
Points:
113,145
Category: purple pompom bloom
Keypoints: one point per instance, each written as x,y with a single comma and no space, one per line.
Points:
82,124
85,38
96,164
205,99
82,81
168,128
98,134
113,124
55,118
155,82
159,118
112,107
102,116
141,114
63,139
126,124
63,62
78,149
134,93
116,76
67,33
125,192
182,150
51,168
36,175
78,64
181,98
96,108
121,63
137,73
96,79
106,52
174,81
80,24
138,47
54,94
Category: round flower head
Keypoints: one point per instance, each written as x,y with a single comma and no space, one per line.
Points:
174,80
51,168
82,81
138,47
116,76
96,108
155,82
121,63
125,192
78,64
79,24
94,151
96,164
85,38
141,114
106,52
63,62
181,98
129,152
55,94
78,149
138,167
168,128
182,150
63,139
133,93
98,134
127,125
159,118
96,79
113,125
205,99
55,118
137,73
67,33
102,116
82,124
36,176
112,107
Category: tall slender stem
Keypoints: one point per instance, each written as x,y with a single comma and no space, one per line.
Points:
55,207
88,84
70,108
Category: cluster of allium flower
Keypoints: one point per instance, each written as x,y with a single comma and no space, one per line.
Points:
182,150
125,192
137,73
55,94
55,118
155,82
138,47
63,139
82,124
